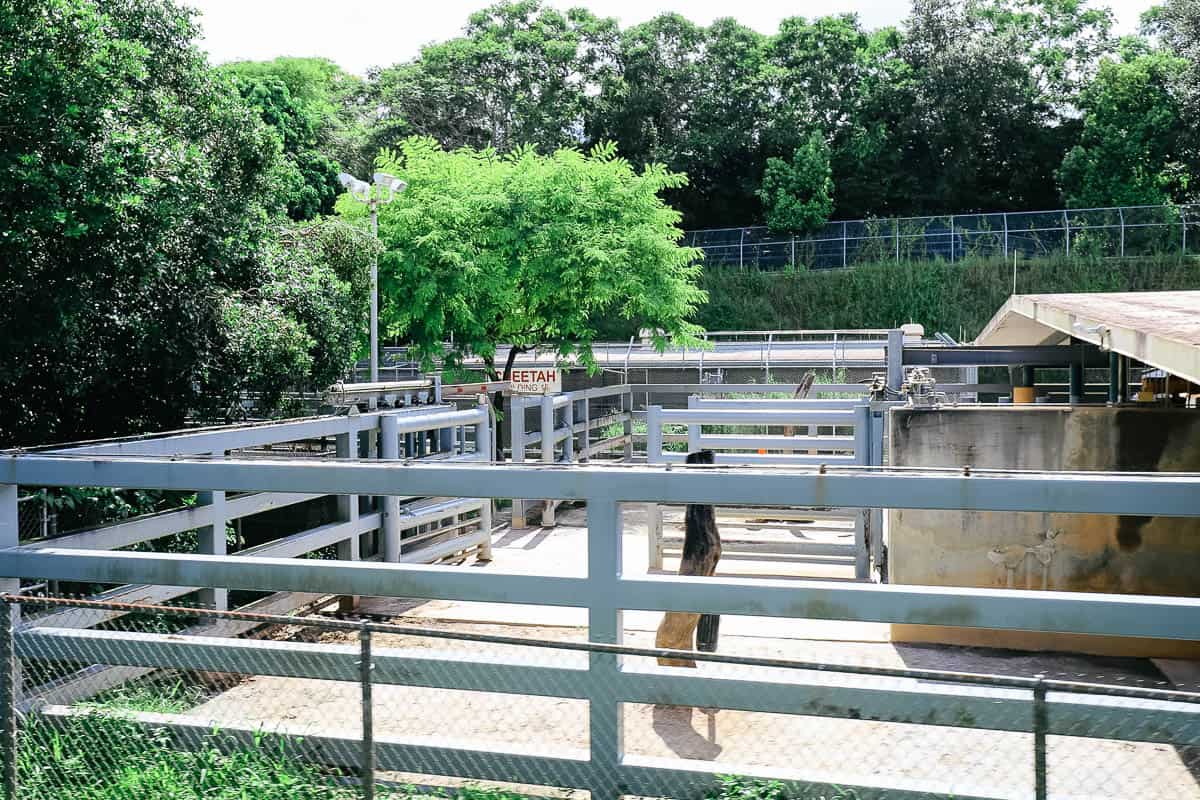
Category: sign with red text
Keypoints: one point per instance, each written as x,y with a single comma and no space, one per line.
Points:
536,381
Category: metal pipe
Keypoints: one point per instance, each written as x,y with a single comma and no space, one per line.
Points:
368,713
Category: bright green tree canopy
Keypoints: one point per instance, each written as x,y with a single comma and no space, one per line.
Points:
528,249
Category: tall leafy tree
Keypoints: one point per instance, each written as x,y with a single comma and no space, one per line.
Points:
1132,148
133,184
528,249
797,193
521,73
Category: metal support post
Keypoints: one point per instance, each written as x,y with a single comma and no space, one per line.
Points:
390,445
9,683
951,239
627,428
654,445
210,540
1067,231
1075,383
895,359
896,224
693,429
569,424
548,452
367,773
1040,726
1005,235
844,261
483,433
1114,378
1123,379
516,427
605,627
347,506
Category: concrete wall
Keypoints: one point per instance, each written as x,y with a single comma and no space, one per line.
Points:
1071,552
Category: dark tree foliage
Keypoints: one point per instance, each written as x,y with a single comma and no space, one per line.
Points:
141,204
132,185
972,105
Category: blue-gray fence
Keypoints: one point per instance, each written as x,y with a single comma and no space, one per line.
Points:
607,682
1107,232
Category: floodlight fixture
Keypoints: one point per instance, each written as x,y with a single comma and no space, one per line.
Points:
361,190
390,182
365,192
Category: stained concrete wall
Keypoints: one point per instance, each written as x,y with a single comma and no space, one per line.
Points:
1066,552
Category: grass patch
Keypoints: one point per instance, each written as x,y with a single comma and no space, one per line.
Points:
957,298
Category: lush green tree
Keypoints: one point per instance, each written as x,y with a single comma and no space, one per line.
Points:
528,249
303,326
311,178
124,212
1130,152
797,194
978,121
1177,23
521,73
330,103
142,232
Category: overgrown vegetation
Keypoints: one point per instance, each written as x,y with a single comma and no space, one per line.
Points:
957,298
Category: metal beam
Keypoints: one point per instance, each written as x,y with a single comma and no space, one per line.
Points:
1006,609
1034,355
1166,494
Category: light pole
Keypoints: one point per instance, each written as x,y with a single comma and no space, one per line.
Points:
372,195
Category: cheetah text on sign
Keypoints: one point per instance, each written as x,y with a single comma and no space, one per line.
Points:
536,381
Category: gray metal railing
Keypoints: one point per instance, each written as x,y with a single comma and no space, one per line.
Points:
607,679
1111,232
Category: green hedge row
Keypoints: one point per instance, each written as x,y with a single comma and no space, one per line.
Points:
957,298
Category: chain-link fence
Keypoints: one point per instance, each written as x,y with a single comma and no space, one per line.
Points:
117,702
1103,232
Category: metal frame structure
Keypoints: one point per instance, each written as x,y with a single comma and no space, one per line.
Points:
816,437
609,680
564,432
413,529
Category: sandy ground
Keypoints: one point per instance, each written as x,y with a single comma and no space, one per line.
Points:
952,760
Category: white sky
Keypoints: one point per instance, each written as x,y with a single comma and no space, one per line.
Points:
361,33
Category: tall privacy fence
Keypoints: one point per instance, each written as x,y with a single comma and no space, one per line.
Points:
318,707
1104,232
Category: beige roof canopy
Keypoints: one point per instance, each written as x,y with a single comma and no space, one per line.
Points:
1161,329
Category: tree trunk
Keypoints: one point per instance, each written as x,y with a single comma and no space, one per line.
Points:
701,552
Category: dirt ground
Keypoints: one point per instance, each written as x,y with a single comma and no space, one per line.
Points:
952,760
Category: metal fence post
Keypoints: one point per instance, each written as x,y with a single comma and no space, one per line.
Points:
389,445
742,250
654,446
1040,725
1005,235
951,238
1183,220
1067,231
604,626
210,540
627,427
516,438
9,677
367,773
896,226
844,262
548,436
1121,211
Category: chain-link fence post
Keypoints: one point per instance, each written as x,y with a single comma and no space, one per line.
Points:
8,702
1040,724
368,715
